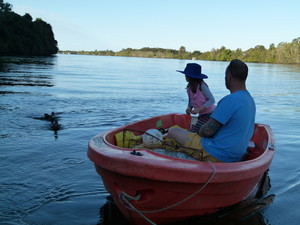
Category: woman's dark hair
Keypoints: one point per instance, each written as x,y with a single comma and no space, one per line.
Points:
193,83
238,69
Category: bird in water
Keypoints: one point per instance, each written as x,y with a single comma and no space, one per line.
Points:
50,117
55,126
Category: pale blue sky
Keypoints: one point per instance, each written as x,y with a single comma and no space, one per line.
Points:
196,24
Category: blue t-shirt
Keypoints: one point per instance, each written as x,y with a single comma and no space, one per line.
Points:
236,112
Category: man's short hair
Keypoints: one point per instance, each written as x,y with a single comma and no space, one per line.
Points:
238,69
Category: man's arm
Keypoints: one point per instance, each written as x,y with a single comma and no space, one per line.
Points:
209,128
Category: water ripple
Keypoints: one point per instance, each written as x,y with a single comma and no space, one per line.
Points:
72,161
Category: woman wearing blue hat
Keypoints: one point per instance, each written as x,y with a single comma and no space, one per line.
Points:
201,100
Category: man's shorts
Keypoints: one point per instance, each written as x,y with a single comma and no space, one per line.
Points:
194,148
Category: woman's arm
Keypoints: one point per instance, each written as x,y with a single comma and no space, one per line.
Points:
209,96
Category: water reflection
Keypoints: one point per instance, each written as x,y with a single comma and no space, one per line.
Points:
16,71
28,60
17,81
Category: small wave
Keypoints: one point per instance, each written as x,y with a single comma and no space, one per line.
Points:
72,161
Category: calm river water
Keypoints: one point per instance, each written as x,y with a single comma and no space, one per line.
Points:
46,178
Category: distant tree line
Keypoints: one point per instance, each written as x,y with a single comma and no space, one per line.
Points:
282,53
19,35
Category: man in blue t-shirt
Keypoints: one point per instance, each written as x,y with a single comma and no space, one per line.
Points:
224,138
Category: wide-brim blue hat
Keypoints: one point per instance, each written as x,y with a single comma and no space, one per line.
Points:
193,70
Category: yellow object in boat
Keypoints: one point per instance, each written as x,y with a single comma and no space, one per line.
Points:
127,139
170,144
176,126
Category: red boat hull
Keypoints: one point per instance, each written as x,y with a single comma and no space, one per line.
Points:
162,189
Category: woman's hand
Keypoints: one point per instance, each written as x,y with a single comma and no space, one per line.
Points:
188,111
198,110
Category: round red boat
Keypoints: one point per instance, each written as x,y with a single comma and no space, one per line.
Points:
152,188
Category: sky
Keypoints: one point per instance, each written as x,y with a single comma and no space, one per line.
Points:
198,25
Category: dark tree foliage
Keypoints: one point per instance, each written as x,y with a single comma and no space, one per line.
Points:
19,35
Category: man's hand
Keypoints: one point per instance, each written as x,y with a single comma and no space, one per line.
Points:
209,128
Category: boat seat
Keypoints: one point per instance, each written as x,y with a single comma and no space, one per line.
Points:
252,153
257,144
